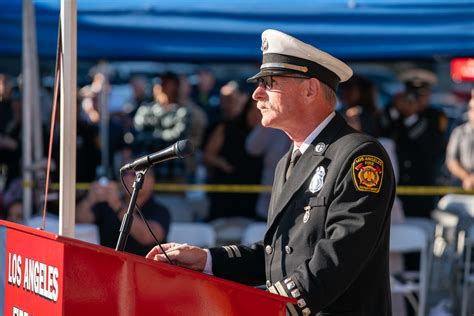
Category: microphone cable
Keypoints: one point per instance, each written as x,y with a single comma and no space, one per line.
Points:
124,185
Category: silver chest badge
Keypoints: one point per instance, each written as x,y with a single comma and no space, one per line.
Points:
318,180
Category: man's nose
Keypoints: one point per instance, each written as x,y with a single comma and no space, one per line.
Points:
259,93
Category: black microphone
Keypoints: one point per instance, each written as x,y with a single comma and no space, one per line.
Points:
180,149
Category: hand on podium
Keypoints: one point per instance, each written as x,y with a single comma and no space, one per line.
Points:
183,255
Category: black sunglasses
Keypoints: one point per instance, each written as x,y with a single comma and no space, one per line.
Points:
267,81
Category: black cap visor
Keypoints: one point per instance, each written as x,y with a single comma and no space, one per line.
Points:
273,72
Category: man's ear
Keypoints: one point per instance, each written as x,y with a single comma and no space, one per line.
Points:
314,87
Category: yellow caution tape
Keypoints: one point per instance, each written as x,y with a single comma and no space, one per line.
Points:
253,188
230,188
431,190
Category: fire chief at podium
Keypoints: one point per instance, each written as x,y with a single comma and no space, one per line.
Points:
327,238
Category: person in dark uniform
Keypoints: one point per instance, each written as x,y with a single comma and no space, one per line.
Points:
327,238
419,131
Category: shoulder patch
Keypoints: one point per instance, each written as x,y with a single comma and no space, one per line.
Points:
367,173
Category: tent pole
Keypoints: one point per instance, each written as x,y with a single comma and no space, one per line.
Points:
38,156
38,159
27,105
68,112
104,120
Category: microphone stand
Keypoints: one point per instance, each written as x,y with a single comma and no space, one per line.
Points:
128,217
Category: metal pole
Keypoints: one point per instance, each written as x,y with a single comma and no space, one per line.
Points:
67,171
28,100
127,219
38,168
104,119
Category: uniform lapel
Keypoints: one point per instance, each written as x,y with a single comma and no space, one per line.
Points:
279,181
313,156
285,190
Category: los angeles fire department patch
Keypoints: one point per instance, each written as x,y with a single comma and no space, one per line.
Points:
367,172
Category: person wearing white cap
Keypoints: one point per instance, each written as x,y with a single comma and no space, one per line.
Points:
420,134
327,239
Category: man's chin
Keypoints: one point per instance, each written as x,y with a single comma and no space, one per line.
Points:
266,122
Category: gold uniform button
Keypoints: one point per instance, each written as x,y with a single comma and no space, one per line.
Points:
268,249
288,249
268,284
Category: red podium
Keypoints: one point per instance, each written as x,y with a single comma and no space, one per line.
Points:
46,274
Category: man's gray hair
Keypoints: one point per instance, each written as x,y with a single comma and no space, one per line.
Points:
329,94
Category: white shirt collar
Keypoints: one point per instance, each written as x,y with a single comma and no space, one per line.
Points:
314,134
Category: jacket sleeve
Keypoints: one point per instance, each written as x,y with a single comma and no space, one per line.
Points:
239,263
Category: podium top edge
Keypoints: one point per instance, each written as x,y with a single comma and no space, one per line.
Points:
29,230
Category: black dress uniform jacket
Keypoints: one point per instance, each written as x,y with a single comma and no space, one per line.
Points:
327,239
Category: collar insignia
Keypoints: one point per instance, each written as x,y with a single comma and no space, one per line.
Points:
320,147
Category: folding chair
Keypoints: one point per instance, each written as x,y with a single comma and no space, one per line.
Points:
196,234
459,203
229,230
180,210
456,213
406,238
253,233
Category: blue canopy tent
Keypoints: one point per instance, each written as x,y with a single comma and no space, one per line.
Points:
207,30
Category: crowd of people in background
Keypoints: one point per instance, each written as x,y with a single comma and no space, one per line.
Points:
222,121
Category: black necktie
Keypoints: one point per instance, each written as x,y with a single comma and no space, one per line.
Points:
294,159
